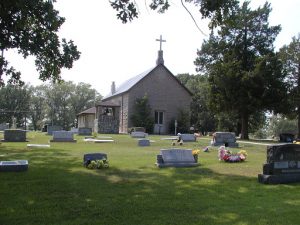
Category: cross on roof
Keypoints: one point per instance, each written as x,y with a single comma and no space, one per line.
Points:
160,40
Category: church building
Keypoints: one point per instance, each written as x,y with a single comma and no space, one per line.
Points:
166,97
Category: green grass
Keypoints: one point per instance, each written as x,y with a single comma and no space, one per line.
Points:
57,189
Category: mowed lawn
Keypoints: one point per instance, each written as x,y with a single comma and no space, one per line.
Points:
58,190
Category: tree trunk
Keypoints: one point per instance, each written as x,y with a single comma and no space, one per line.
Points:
244,129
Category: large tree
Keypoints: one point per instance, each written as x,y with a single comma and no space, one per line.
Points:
290,56
14,102
31,27
245,75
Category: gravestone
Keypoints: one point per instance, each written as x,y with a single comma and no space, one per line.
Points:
87,158
176,158
224,138
187,137
84,131
13,166
38,146
143,142
74,130
4,126
14,135
286,137
282,165
63,136
138,134
51,129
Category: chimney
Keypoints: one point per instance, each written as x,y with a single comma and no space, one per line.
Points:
113,88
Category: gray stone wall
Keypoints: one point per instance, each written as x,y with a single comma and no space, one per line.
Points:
164,93
108,124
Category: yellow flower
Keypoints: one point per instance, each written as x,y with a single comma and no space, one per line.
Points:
195,151
243,152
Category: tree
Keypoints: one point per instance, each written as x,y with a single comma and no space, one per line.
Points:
290,56
31,27
142,114
215,10
202,117
37,106
245,74
14,102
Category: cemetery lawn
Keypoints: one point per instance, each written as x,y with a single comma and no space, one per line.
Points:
58,190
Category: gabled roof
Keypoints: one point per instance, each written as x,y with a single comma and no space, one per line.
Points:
127,85
88,111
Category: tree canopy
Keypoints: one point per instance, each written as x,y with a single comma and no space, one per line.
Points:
31,27
245,74
127,10
290,57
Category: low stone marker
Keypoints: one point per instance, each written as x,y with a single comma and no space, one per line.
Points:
176,158
224,138
38,146
187,137
14,135
13,166
143,142
138,134
84,131
74,130
282,165
51,129
87,158
63,136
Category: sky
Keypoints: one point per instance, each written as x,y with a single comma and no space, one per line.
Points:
113,51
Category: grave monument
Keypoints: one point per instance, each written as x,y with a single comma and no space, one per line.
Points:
282,165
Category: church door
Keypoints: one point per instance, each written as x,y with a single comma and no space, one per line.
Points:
159,127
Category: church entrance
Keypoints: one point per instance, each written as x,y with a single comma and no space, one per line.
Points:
159,126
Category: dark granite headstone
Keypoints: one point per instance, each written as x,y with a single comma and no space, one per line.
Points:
87,158
63,136
143,142
14,135
285,137
84,131
176,158
282,166
224,138
13,166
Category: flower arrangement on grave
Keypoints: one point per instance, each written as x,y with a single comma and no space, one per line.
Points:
98,164
195,153
228,156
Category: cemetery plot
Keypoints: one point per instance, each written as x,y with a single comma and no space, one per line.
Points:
63,136
187,137
13,166
224,138
176,158
84,131
38,146
282,165
138,134
143,142
14,135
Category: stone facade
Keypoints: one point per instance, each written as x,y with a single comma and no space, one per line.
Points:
165,95
108,124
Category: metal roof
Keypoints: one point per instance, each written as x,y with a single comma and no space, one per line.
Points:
124,87
88,111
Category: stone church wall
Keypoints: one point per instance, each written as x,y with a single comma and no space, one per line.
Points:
108,125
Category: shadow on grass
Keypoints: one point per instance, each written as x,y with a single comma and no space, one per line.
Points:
57,189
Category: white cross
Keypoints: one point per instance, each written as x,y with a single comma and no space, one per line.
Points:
160,40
